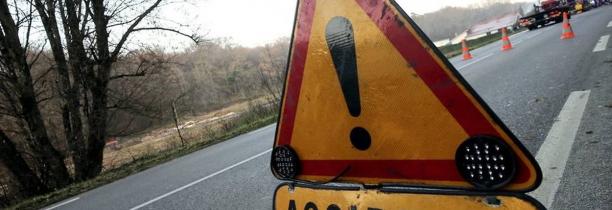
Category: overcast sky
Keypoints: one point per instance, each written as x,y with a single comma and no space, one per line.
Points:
257,22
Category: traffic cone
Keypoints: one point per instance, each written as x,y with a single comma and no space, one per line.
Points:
568,33
466,50
506,40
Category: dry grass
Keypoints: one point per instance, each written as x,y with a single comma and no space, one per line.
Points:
198,129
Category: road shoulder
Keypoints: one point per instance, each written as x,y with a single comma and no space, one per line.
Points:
588,175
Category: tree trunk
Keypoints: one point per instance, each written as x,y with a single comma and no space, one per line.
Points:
75,140
68,89
78,67
12,159
176,123
51,162
97,133
98,90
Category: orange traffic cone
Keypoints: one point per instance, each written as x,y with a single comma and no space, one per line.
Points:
506,40
568,33
466,50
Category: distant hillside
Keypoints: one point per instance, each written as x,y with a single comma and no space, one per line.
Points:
449,21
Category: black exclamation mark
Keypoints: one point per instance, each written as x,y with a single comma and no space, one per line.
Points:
341,43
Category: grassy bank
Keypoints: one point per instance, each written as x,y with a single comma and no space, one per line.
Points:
256,118
454,50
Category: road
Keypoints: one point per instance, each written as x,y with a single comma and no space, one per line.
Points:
528,87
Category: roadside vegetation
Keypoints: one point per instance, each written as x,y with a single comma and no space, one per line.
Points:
84,101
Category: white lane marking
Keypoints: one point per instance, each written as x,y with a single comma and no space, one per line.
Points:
601,44
198,181
556,149
62,203
475,61
610,24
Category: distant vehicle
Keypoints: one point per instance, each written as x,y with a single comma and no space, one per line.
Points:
549,11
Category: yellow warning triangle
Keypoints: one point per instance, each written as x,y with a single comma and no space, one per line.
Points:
368,99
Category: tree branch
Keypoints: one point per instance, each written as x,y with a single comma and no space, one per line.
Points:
37,56
42,75
195,38
139,73
29,28
131,29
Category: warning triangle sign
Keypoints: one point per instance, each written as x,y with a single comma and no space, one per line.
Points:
369,99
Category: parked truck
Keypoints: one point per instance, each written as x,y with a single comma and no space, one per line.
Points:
549,11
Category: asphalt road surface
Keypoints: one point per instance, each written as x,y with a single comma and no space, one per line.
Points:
555,95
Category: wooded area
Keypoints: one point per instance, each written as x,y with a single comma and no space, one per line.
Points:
69,82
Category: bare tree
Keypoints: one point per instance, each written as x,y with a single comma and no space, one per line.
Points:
17,86
87,69
175,115
82,60
271,68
